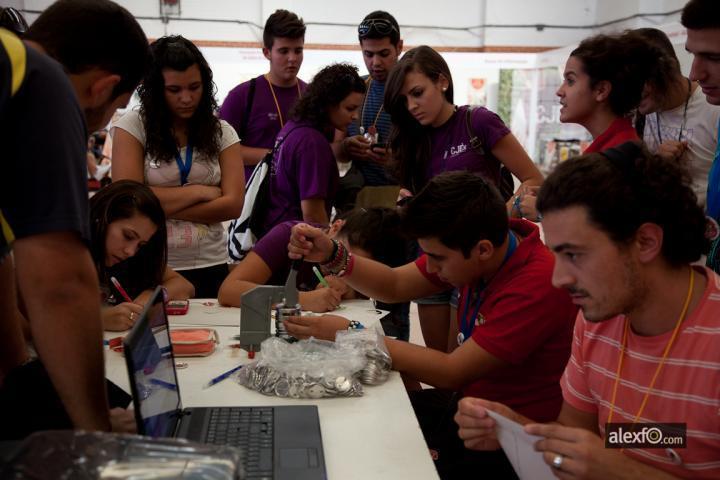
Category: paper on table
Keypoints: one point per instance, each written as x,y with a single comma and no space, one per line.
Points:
518,446
360,310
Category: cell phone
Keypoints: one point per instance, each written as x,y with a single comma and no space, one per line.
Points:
177,307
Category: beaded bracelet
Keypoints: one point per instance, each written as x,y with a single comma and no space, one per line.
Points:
349,264
355,325
338,263
516,205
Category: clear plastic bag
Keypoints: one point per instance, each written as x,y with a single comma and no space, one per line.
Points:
306,369
371,341
98,455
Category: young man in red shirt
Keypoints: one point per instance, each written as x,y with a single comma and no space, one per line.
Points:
625,227
514,327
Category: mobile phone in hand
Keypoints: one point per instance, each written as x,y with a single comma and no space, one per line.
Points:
177,307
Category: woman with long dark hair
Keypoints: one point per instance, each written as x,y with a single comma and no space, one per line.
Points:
431,135
189,158
129,242
304,174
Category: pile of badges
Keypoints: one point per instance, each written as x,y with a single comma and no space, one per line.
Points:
269,381
378,367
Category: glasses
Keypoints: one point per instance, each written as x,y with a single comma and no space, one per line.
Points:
380,25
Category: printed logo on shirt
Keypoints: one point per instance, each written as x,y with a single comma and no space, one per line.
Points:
272,116
455,150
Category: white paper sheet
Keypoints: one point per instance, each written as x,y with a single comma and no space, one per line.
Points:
518,446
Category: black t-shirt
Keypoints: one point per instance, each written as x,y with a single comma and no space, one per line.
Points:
43,184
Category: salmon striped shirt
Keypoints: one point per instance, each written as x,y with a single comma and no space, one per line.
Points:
687,389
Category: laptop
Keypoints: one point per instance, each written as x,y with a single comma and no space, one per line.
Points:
279,442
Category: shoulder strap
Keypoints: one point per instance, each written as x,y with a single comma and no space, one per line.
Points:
506,184
18,57
248,108
475,142
640,121
280,142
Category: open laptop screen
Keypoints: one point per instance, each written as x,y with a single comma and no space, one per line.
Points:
152,371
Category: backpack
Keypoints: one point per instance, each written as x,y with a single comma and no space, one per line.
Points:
506,185
243,232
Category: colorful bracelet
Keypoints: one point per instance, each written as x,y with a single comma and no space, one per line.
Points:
349,264
516,205
355,325
338,262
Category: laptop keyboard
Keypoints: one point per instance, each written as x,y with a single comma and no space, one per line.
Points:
250,429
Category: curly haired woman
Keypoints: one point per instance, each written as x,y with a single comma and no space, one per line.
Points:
189,158
304,175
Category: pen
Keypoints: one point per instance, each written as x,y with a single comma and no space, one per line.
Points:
320,277
121,289
222,377
163,383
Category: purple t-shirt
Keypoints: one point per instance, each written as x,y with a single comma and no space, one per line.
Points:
264,122
273,250
303,168
451,150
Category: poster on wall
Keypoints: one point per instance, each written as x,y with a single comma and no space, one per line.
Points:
477,93
556,141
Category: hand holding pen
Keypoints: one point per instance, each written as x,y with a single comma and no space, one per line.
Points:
331,281
123,316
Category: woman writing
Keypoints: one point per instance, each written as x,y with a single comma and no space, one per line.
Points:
129,243
189,158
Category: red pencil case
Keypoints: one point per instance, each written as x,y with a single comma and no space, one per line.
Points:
193,342
186,342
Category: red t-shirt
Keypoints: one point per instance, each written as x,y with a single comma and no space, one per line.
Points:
526,322
619,132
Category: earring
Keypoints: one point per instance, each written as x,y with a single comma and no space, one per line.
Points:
444,89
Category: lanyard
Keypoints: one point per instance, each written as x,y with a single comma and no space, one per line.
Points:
277,104
668,346
468,323
361,119
184,167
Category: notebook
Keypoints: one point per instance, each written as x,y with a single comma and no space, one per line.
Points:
280,442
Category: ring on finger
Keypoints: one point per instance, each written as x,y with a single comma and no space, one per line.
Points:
132,315
557,461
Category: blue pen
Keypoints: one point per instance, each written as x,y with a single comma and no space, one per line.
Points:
163,383
222,377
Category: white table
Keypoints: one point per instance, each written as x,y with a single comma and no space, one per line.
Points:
375,436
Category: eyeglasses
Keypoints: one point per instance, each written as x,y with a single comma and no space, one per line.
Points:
380,25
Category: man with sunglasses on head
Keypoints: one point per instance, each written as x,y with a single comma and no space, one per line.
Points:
365,140
258,109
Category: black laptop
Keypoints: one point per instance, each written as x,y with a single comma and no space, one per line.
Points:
280,442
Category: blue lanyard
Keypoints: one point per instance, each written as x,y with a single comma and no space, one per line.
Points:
713,190
184,167
468,323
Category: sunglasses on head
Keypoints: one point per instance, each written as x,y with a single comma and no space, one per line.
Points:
379,25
